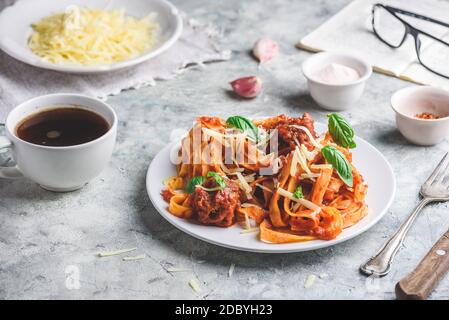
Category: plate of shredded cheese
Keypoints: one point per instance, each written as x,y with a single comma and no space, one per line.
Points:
81,36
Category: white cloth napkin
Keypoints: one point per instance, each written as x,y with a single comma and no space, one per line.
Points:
19,82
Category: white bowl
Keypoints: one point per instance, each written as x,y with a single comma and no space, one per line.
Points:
414,100
335,96
16,20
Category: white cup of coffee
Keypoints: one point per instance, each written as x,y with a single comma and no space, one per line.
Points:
60,141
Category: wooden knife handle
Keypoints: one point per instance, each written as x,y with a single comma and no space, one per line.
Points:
420,282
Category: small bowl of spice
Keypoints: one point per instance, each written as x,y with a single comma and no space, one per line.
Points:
422,114
336,80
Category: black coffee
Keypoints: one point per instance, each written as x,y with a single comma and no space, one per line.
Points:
61,127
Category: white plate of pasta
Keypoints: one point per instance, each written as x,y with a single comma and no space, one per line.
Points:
88,36
275,185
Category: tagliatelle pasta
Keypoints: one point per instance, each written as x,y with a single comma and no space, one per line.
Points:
307,188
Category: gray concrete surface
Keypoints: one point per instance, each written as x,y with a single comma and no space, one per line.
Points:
48,240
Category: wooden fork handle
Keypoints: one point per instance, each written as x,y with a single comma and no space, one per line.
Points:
420,282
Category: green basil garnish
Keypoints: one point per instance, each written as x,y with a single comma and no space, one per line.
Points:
244,124
218,179
341,131
339,163
298,193
195,181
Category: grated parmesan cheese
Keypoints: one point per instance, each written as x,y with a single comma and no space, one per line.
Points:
250,230
166,180
208,189
87,36
309,155
115,253
310,281
294,164
306,203
301,160
195,286
178,269
243,184
139,257
247,222
247,205
231,270
321,166
312,139
263,187
250,178
310,175
230,171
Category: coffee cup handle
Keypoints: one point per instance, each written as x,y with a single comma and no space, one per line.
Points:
8,172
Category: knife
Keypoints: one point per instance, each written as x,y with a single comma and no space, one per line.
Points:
420,282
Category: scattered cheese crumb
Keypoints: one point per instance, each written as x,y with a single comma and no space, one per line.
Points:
323,275
321,166
195,286
306,203
139,257
177,269
231,270
247,223
115,253
309,282
243,184
166,180
250,230
310,175
263,187
249,205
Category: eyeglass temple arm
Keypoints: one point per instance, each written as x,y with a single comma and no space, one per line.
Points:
415,15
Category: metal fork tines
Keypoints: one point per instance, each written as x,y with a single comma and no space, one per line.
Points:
435,188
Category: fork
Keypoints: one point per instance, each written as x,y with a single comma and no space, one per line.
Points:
436,188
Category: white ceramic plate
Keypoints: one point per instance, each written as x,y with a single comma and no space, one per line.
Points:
369,161
16,20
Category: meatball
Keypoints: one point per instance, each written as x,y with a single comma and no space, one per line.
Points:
216,208
288,133
291,134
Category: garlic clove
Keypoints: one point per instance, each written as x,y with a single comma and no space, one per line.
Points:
265,49
247,87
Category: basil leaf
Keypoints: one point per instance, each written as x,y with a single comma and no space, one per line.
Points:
339,163
218,179
195,181
341,131
298,193
244,124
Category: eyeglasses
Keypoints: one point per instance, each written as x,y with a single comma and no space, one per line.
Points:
433,53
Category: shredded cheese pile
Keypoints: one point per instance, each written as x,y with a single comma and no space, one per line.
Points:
86,36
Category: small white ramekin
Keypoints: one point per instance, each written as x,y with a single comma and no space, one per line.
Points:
414,100
335,97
